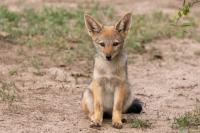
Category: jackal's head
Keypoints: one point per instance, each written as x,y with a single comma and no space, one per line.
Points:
108,40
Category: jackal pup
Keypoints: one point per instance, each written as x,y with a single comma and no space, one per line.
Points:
109,90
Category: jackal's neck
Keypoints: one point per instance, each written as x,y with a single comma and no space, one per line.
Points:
116,68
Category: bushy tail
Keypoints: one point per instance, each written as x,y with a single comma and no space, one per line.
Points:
107,115
136,107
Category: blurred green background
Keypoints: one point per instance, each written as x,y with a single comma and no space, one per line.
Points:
60,24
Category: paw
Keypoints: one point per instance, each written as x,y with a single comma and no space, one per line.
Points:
117,125
95,123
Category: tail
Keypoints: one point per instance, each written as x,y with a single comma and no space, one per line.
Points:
107,115
136,107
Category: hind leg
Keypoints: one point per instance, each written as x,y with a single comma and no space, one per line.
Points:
87,103
88,107
92,104
132,105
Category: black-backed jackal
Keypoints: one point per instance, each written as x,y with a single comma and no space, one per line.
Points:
109,90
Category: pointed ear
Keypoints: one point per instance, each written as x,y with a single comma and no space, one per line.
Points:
92,25
124,24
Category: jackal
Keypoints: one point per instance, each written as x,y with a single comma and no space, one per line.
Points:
109,91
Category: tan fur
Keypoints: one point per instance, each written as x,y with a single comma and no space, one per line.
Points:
98,108
118,105
109,90
85,107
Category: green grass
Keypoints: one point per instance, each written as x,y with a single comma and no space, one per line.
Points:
8,92
146,28
65,28
187,120
13,72
140,123
36,62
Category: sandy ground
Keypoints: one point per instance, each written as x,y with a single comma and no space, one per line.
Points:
48,98
50,101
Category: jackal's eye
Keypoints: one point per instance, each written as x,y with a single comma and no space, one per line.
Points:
115,43
102,44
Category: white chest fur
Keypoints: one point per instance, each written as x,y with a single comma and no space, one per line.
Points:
110,73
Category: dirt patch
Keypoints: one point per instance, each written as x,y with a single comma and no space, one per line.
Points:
50,101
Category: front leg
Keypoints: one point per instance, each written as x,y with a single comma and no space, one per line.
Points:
97,116
119,96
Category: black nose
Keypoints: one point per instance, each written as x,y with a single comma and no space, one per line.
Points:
108,57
